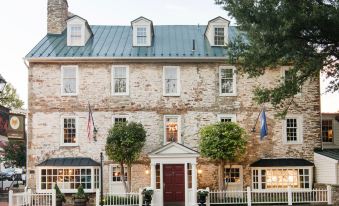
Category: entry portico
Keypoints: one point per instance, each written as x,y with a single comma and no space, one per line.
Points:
174,175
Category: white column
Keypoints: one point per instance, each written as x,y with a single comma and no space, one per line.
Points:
194,183
153,176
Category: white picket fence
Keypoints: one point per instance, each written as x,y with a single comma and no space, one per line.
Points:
29,198
120,199
288,196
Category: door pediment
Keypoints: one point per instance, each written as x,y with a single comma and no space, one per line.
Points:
173,149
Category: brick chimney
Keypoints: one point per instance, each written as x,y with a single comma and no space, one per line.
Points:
57,14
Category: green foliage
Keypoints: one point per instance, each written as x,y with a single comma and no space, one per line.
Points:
80,193
15,152
10,99
59,194
302,34
223,141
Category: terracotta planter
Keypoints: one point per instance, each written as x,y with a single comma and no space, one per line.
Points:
80,202
58,202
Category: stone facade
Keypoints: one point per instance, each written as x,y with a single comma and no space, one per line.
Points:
199,104
57,14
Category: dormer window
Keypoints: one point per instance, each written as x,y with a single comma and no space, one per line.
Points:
76,34
142,32
141,36
219,36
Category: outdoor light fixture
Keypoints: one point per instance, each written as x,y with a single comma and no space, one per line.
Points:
147,172
2,84
199,172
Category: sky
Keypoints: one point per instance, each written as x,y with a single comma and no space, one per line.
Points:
23,25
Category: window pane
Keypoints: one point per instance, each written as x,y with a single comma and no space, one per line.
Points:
219,36
327,130
69,80
171,80
232,175
69,130
120,79
291,130
171,125
226,77
141,35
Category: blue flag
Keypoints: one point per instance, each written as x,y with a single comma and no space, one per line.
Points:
263,125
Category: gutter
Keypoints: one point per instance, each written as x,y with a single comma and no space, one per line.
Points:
124,59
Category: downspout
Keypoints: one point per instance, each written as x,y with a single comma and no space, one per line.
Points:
26,119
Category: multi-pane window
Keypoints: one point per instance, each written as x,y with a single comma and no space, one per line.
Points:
69,80
291,129
171,81
119,119
116,173
120,80
219,36
157,173
69,179
69,130
280,178
172,128
232,175
227,81
227,118
189,175
76,34
141,35
327,130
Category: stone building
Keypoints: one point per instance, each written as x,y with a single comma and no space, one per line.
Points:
173,79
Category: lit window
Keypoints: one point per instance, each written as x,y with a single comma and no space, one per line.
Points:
76,35
120,80
141,36
116,173
171,81
69,179
172,128
189,175
232,175
227,81
327,130
69,131
157,172
219,36
69,80
293,129
281,178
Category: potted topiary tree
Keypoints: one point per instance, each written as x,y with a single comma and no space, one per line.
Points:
202,194
60,197
147,193
80,198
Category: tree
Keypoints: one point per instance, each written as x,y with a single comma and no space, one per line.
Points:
302,34
10,99
124,145
15,152
224,143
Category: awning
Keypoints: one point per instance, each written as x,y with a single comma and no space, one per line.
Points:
331,153
282,162
69,161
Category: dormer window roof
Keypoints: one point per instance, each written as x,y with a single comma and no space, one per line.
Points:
78,31
217,31
142,32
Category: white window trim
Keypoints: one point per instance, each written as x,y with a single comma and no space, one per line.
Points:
119,116
300,129
76,67
283,70
164,83
234,81
127,80
241,176
333,139
310,170
147,35
82,40
38,180
233,117
225,36
179,127
62,131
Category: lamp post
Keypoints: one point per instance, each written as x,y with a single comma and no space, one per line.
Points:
2,84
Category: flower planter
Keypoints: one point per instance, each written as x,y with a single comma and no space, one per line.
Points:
202,200
80,202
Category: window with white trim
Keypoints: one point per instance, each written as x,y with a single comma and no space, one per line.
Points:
227,81
293,126
116,173
171,81
158,176
69,131
233,174
280,178
172,128
141,35
219,36
227,118
327,130
69,80
76,33
120,80
119,119
68,179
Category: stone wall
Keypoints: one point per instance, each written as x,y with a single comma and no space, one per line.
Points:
198,105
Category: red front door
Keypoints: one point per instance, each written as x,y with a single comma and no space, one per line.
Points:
174,185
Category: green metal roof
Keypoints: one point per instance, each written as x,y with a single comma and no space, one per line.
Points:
331,153
170,41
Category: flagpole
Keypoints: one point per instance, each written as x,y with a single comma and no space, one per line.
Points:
256,121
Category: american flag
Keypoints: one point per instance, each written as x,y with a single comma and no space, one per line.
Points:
91,130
